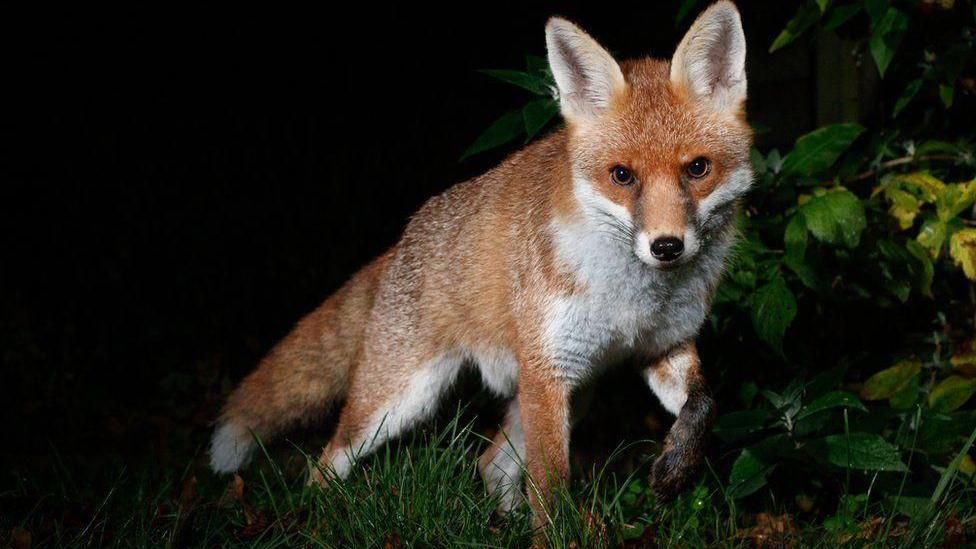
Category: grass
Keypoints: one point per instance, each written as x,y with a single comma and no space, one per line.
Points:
424,491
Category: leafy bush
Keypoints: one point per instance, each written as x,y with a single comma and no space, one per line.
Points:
842,336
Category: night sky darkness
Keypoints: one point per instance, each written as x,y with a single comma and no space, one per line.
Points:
178,188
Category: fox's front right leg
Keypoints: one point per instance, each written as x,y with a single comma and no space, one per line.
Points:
543,400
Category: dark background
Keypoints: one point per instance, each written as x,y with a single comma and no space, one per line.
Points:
177,188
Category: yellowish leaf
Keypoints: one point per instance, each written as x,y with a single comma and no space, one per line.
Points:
890,381
955,198
967,465
927,186
964,358
962,248
904,206
951,393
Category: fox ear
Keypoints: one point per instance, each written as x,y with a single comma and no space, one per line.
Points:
710,61
586,74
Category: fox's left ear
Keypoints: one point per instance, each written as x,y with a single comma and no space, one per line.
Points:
710,61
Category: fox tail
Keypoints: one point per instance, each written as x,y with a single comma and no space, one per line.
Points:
301,376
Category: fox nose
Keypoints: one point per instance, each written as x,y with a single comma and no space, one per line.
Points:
667,248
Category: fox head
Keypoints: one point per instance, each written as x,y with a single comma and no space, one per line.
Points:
659,150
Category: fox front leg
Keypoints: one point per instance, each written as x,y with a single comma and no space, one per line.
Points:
543,401
677,381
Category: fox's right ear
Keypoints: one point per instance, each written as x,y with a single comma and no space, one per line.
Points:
586,74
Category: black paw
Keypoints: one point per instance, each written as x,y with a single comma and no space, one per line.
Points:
672,474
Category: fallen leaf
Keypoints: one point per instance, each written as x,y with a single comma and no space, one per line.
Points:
868,529
257,523
955,534
20,538
234,492
772,531
596,525
392,541
188,494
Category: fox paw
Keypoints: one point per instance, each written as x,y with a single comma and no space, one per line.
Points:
671,474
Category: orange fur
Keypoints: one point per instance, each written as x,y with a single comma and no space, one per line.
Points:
482,270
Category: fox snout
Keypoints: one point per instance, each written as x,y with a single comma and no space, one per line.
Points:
666,232
666,249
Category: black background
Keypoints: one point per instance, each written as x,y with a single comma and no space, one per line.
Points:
178,187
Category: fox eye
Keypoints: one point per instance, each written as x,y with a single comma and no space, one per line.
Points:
621,176
699,167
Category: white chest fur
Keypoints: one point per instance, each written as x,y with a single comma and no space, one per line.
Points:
626,306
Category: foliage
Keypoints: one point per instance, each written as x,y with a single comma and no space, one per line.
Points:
528,120
422,492
852,282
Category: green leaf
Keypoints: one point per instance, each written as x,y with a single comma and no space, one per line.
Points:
951,393
684,9
932,236
835,217
864,451
876,9
954,198
840,15
822,4
898,267
758,161
803,20
950,471
910,506
906,397
740,424
773,310
536,114
795,241
817,151
748,475
774,161
889,381
886,38
826,381
906,96
795,238
940,434
925,275
835,399
527,81
538,65
937,147
503,130
947,93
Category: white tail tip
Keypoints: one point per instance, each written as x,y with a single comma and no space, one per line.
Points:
230,448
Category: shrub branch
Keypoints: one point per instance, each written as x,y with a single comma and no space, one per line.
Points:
884,166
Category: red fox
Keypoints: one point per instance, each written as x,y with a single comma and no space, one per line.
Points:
603,240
